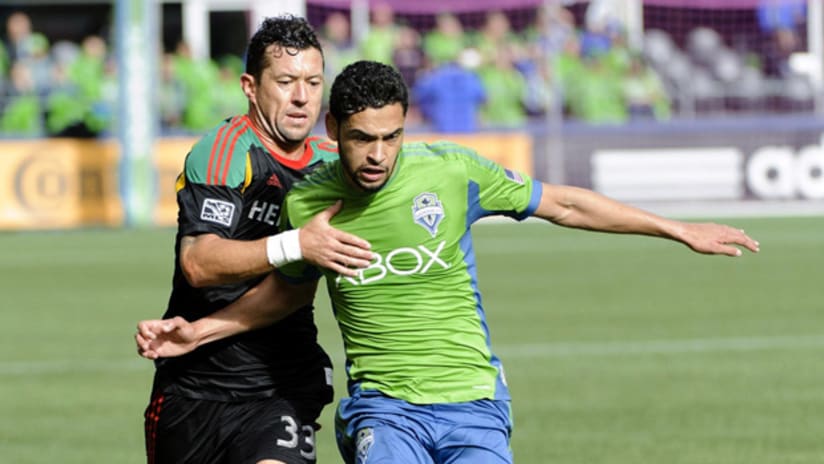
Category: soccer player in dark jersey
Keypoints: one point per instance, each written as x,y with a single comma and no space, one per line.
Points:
253,398
425,385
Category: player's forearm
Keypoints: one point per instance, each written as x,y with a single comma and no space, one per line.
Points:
270,301
585,209
210,260
213,328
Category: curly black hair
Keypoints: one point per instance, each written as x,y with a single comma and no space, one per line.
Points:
366,84
290,33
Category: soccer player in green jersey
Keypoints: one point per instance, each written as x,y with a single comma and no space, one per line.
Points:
424,383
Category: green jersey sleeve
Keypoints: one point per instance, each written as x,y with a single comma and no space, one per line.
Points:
221,157
492,189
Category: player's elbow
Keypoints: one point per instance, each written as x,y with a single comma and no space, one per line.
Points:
194,273
195,256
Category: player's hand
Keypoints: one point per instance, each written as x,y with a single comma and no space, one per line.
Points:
717,239
164,338
324,246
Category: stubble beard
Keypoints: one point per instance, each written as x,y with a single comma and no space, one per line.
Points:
351,174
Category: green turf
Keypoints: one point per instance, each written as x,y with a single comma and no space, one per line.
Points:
618,349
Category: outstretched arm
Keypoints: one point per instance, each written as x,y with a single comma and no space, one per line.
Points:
585,209
268,302
208,259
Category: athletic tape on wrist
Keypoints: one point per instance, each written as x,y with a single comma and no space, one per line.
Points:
283,248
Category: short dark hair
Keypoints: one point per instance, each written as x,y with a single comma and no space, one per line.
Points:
289,32
366,84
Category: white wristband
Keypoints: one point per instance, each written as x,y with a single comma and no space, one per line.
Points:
283,248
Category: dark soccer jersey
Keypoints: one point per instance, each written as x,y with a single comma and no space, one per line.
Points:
232,186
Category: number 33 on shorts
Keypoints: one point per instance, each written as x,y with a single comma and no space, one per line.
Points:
298,436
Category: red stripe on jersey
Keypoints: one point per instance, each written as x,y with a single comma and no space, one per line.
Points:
212,155
150,425
235,124
296,164
231,151
327,145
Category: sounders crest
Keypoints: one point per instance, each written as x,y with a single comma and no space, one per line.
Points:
428,211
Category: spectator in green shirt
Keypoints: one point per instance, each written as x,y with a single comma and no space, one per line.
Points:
338,49
229,98
505,92
86,71
644,92
382,36
596,95
496,34
445,42
198,78
21,115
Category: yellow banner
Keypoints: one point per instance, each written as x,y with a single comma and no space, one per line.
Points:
58,183
169,156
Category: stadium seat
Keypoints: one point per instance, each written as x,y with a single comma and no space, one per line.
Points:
749,92
658,47
704,44
726,66
796,93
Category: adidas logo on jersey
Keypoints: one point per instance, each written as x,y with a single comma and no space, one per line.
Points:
273,181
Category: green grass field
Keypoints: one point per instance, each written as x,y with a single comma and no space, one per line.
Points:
618,349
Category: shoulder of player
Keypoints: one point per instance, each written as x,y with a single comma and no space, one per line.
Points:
219,157
441,150
315,192
321,149
324,176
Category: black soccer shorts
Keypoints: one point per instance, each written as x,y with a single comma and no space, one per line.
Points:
182,430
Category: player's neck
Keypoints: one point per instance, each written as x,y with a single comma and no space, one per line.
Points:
276,146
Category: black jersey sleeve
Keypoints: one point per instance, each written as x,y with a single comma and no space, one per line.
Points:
209,209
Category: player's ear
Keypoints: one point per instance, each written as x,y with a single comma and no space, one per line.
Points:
331,127
247,85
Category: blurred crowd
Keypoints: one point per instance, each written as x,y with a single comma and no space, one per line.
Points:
461,78
494,76
53,89
70,89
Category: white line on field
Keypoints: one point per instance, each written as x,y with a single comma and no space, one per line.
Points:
523,350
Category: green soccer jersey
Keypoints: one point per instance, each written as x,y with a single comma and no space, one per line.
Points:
412,322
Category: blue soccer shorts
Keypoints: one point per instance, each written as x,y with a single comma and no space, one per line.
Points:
372,428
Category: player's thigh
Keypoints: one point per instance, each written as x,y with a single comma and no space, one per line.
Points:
477,432
475,445
387,444
271,431
372,432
